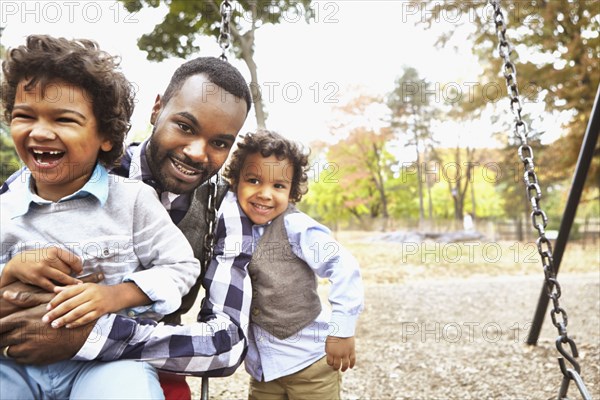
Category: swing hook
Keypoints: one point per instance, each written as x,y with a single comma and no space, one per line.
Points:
570,358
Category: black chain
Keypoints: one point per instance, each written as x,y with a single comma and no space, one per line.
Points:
224,41
209,241
539,218
224,34
210,219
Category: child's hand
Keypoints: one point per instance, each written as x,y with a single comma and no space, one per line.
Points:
340,352
41,267
78,305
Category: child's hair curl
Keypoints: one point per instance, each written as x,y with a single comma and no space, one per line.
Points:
45,59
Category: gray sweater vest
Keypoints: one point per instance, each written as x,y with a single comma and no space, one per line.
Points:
193,226
284,288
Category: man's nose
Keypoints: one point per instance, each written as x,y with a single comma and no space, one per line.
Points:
196,150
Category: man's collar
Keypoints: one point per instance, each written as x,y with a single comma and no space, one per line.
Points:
139,168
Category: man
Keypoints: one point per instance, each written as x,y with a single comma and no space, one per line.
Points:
195,124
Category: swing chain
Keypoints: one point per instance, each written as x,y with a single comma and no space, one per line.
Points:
539,218
210,219
224,33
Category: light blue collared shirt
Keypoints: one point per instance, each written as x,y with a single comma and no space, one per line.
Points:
270,358
97,186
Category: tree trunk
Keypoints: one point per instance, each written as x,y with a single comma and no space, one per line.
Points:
470,153
380,183
247,53
259,110
419,183
428,182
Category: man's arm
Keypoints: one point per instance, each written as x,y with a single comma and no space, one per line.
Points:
214,346
33,342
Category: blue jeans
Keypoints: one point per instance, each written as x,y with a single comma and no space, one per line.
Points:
79,380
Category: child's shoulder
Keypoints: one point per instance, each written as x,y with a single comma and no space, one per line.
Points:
128,188
302,222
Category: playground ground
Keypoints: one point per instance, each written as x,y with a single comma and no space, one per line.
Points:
450,321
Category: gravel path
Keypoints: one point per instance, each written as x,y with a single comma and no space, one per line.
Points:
461,339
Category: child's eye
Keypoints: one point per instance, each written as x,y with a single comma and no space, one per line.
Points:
67,120
280,186
253,181
20,115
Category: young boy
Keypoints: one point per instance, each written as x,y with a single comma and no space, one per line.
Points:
69,109
295,347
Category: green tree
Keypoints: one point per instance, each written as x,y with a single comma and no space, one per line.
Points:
8,155
366,164
558,62
412,115
324,200
186,20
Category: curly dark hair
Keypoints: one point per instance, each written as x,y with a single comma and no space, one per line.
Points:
45,59
269,143
217,71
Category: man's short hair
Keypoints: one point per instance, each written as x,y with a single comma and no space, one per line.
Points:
217,71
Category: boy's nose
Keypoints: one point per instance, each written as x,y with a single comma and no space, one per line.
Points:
196,151
42,133
264,193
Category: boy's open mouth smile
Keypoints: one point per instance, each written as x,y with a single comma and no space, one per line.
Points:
261,209
47,158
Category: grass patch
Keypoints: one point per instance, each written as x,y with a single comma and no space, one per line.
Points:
385,262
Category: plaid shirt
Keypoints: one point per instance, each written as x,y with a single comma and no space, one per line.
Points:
213,346
134,166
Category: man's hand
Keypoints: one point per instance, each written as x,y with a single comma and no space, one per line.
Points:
18,295
340,352
33,342
21,327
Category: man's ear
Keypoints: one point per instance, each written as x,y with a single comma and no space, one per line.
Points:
155,109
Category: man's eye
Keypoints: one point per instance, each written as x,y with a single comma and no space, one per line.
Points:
184,127
221,144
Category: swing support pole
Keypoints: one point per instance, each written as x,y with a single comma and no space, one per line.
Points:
581,170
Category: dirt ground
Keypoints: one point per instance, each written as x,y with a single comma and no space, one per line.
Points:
462,338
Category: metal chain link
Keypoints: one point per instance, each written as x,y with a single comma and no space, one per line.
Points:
224,41
210,219
209,240
224,34
539,218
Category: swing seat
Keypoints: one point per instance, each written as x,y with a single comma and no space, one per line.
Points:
174,387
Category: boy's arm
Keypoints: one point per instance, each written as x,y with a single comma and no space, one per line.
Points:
313,243
78,305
